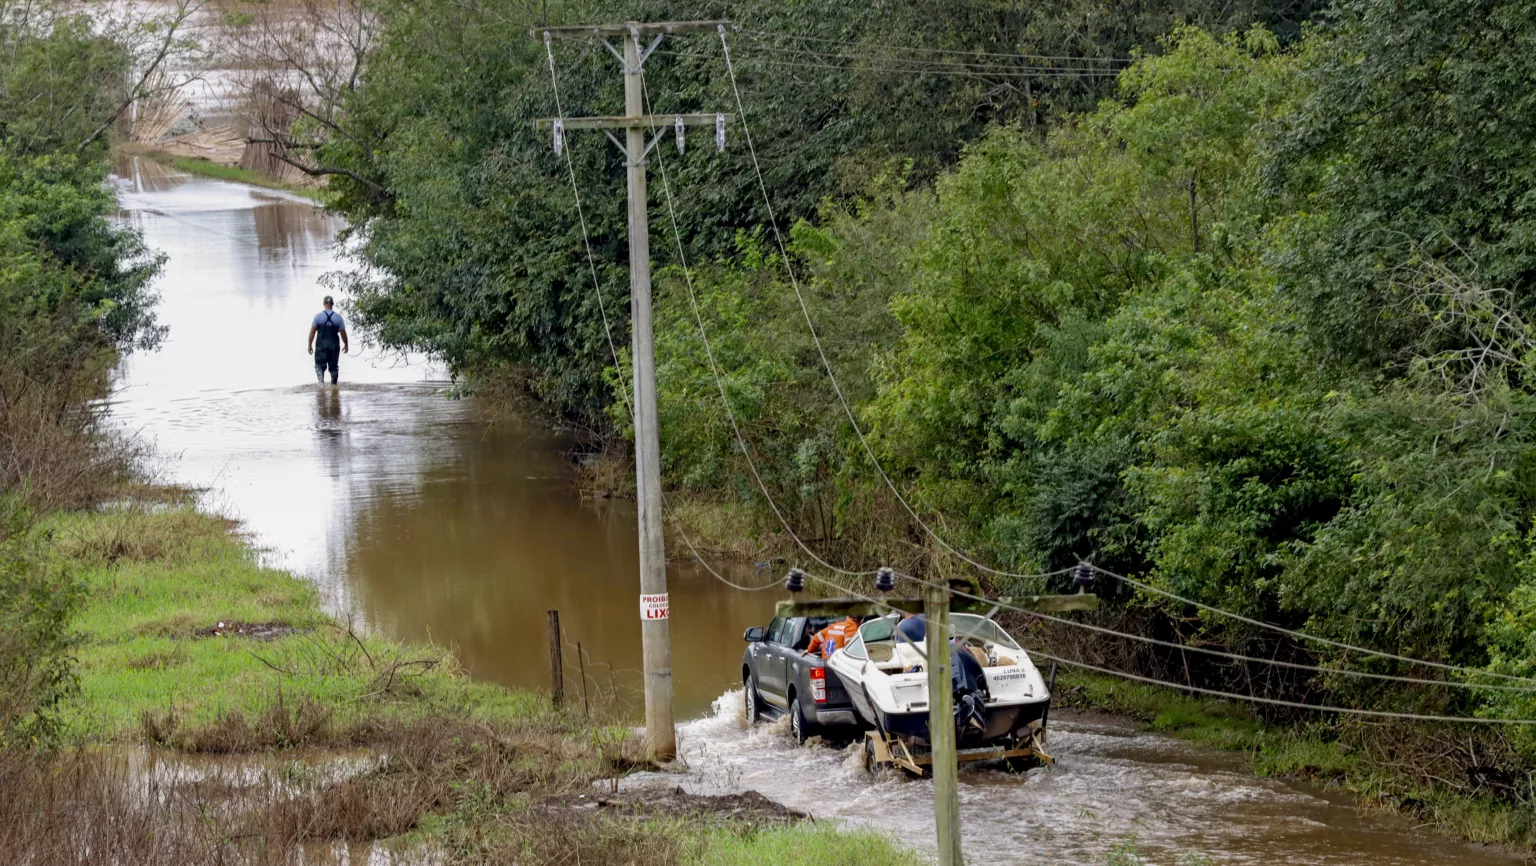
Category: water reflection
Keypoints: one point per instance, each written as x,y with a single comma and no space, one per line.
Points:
406,508
292,230
144,175
328,411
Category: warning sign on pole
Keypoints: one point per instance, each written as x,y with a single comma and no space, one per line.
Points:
653,607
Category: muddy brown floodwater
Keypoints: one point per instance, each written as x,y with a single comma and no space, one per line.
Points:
417,518
406,508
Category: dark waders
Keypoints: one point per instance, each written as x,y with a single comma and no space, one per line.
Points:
327,347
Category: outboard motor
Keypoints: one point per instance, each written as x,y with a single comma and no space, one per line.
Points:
971,695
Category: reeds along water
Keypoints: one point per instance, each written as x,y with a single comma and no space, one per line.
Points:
145,805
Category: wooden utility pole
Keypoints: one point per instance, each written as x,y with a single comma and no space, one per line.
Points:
660,733
941,726
935,605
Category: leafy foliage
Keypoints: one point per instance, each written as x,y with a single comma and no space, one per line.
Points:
1249,320
74,295
38,599
1105,347
466,217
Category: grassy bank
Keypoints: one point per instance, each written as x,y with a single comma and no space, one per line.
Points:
233,173
1389,767
287,730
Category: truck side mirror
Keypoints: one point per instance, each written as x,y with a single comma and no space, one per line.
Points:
755,634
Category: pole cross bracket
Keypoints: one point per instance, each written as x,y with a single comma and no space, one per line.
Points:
662,124
644,55
641,121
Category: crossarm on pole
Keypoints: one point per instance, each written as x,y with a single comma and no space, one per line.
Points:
642,121
581,31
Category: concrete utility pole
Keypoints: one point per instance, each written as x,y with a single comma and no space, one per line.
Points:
660,733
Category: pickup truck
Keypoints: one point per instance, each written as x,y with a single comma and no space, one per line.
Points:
780,678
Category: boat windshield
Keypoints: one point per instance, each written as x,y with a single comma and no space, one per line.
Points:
971,625
877,630
964,625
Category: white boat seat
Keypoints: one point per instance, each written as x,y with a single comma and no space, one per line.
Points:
880,652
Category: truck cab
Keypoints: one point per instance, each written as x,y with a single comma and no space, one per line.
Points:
780,678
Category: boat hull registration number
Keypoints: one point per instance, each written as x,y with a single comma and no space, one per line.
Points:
653,607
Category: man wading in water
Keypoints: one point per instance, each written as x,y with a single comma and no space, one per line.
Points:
332,331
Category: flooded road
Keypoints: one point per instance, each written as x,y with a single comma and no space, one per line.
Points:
1112,787
420,520
406,508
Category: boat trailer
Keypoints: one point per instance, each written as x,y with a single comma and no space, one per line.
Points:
895,750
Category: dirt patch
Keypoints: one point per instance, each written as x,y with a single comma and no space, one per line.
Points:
749,807
252,630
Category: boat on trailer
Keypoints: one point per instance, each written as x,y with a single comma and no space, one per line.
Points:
1002,701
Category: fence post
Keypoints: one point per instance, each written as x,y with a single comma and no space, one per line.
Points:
556,663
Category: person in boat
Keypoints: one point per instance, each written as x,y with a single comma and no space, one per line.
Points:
834,637
971,693
913,627
331,330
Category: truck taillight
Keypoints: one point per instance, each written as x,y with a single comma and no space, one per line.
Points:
819,685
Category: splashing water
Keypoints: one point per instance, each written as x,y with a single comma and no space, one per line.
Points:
1110,783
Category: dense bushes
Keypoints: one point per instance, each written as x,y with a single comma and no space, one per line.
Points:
37,599
1209,334
74,294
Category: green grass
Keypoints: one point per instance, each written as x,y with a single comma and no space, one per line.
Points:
157,577
802,845
158,581
1220,724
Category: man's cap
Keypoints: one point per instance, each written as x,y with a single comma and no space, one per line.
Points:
328,300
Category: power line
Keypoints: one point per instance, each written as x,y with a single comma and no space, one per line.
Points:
1238,656
707,567
1279,702
1325,708
761,34
586,242
1302,635
853,66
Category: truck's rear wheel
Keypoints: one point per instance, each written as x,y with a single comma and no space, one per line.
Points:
799,727
752,703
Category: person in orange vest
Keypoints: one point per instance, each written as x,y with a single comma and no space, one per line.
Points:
834,637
